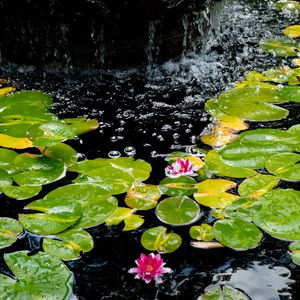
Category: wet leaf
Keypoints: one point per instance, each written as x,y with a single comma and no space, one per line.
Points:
243,208
206,245
5,179
37,169
10,229
157,239
257,186
96,204
292,31
237,234
81,125
203,232
285,166
69,244
41,276
211,193
7,141
6,90
7,158
295,252
56,216
21,192
216,165
62,152
127,215
279,214
280,47
222,292
178,211
290,93
218,136
180,186
143,197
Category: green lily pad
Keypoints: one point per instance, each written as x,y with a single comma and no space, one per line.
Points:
127,215
178,211
258,185
279,214
21,192
69,244
143,197
10,229
57,215
204,232
212,193
237,234
251,155
61,152
157,239
216,165
51,133
295,252
222,292
180,186
290,93
5,179
285,166
281,47
37,169
287,5
39,276
81,125
95,202
7,158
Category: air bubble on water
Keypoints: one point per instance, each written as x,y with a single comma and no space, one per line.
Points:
113,138
80,156
130,151
192,150
114,154
160,138
154,154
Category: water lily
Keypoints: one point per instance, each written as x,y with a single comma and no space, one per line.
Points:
149,267
181,167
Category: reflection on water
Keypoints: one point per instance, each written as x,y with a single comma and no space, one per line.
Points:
259,281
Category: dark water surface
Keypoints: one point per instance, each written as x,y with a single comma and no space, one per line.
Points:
158,109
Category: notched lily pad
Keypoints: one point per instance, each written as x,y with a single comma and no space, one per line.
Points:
69,244
41,276
157,239
237,234
203,232
180,186
178,210
10,229
143,197
21,192
295,252
281,47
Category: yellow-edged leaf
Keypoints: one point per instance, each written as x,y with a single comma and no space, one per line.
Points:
7,141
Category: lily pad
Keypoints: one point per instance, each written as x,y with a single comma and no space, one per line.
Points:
5,179
216,165
295,252
39,276
37,169
7,158
57,215
178,211
279,214
212,193
285,166
292,31
157,239
290,93
96,204
257,185
222,292
281,47
180,186
21,192
69,244
143,197
237,234
10,229
81,125
203,232
127,215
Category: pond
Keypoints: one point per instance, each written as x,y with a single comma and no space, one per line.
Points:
148,112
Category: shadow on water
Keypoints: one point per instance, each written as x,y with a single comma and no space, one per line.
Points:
157,109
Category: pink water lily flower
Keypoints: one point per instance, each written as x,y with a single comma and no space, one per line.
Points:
181,167
149,267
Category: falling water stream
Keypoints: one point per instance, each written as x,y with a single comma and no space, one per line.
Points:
153,110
